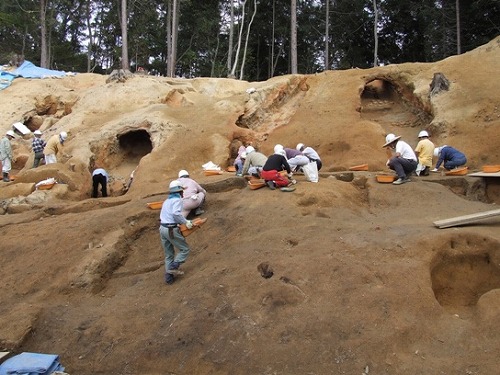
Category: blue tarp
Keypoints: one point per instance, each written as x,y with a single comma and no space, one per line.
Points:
6,79
29,70
32,364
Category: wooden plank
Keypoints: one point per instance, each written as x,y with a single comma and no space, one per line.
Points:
466,219
484,174
2,355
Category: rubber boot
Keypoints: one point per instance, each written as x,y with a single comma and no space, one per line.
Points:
6,177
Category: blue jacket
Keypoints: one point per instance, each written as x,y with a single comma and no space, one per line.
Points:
449,154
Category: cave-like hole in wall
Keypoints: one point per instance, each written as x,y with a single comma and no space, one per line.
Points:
135,144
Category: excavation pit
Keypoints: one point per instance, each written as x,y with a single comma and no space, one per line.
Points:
463,273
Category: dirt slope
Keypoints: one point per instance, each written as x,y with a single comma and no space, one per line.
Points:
362,282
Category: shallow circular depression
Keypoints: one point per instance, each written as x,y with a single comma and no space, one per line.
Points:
464,270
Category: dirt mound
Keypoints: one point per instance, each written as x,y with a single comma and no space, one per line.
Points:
346,275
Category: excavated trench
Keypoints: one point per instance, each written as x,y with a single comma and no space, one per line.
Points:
465,268
393,105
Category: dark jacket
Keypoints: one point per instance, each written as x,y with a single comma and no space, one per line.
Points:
276,162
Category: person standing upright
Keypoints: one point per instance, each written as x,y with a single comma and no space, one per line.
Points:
37,145
170,233
6,154
54,146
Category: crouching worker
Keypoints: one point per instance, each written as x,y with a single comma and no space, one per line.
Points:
193,196
276,163
170,233
450,157
402,159
99,177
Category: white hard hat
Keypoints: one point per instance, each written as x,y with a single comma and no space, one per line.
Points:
11,133
299,146
175,187
390,138
63,136
249,149
423,133
437,150
37,132
278,149
183,173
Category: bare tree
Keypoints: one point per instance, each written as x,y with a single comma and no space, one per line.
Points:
293,26
231,41
240,36
375,33
247,38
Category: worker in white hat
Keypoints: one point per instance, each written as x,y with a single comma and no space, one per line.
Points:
402,160
6,154
254,162
311,154
37,145
54,146
450,157
424,152
170,233
274,165
194,195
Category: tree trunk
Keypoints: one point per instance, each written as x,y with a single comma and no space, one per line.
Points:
459,43
125,63
271,65
88,15
173,49
169,35
44,56
327,34
375,33
293,46
246,40
231,41
237,55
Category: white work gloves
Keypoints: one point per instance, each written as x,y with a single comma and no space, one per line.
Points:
189,224
194,196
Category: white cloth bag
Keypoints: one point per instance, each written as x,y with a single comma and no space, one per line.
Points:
311,171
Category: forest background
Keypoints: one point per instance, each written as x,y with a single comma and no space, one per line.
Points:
251,39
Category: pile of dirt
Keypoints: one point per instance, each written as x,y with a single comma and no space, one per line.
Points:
345,276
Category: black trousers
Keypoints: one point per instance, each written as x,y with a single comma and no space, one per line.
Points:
97,180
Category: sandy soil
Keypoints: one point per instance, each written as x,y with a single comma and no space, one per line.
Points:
358,279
